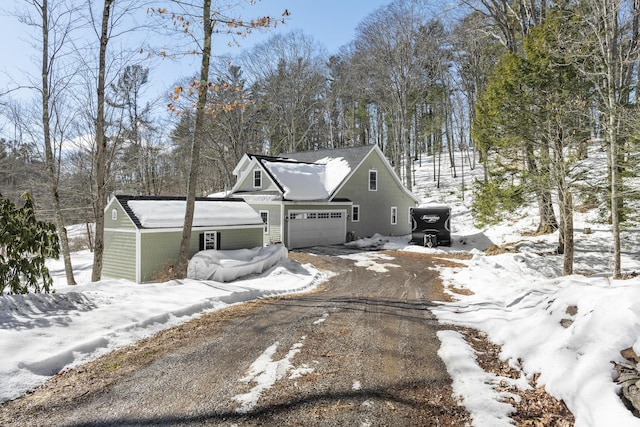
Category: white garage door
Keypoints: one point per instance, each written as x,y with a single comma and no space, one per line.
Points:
315,228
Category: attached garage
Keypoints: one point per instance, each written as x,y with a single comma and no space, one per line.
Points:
143,233
316,227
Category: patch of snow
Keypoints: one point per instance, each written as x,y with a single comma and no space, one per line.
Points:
264,372
322,319
475,388
370,261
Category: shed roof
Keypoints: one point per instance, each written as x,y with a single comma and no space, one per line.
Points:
168,212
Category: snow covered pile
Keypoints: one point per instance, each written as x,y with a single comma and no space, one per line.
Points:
228,265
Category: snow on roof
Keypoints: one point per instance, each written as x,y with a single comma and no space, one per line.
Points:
309,181
161,213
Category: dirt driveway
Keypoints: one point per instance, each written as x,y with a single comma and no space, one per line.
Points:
359,351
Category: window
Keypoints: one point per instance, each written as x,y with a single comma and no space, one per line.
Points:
265,218
373,180
114,215
257,178
394,215
210,240
355,213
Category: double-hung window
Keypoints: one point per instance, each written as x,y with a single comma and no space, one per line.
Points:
355,213
257,178
394,215
265,218
210,240
373,180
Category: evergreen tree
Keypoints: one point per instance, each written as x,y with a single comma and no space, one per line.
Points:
25,244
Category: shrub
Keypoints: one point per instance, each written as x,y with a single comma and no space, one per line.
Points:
25,244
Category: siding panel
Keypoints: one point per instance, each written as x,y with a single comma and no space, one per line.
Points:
375,206
119,261
160,250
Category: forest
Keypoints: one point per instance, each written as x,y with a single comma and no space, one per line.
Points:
522,88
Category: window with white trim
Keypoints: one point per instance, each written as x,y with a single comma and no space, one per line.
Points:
394,215
355,213
265,218
373,180
210,240
114,214
257,178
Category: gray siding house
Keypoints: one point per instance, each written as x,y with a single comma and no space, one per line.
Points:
142,233
325,197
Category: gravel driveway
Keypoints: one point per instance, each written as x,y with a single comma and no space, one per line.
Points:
359,351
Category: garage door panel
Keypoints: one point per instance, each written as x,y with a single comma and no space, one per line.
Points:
315,228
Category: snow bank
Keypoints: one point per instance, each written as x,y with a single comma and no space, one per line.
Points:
42,334
225,266
567,329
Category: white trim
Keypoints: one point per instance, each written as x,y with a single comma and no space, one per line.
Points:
266,224
206,234
126,214
238,170
375,171
387,165
203,228
114,214
354,207
138,272
253,177
314,203
244,173
394,215
122,230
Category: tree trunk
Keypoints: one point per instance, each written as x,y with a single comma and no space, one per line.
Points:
198,137
101,148
547,218
49,161
567,214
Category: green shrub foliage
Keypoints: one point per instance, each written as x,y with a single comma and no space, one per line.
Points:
25,244
493,199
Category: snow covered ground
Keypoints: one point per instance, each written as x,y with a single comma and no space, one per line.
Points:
43,334
519,300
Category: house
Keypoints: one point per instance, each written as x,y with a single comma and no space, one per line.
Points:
142,233
325,197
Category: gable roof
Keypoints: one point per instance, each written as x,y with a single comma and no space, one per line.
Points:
314,175
149,212
308,181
